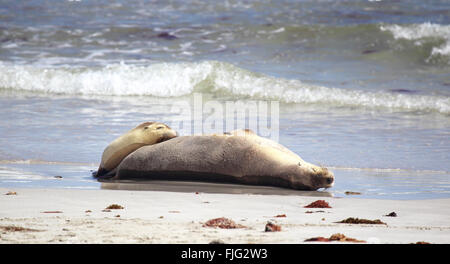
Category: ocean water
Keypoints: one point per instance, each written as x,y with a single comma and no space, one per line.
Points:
363,87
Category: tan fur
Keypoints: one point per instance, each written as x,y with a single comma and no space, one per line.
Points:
147,133
236,157
273,149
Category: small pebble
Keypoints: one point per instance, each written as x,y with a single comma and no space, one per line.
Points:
392,214
271,227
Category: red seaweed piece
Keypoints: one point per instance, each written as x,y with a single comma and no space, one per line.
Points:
352,220
114,207
318,204
335,237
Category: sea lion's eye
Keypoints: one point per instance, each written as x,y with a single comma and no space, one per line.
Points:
300,164
145,127
160,127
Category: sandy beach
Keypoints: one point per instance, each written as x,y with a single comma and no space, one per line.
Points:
359,87
79,216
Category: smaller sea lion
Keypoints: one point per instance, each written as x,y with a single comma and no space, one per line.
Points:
147,133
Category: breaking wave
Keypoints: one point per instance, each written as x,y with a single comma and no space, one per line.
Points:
179,79
423,34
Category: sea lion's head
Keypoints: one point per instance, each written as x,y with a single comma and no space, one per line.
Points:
322,177
306,176
150,133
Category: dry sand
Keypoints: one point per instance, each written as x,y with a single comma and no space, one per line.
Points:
77,216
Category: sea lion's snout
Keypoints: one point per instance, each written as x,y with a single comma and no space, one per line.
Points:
169,135
164,133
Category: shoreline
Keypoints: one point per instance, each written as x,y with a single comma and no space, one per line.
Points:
390,185
78,216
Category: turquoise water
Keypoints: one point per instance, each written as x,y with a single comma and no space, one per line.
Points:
363,86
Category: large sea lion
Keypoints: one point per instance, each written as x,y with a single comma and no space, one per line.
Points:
147,133
236,157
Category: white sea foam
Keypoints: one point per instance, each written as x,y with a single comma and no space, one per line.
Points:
419,32
178,79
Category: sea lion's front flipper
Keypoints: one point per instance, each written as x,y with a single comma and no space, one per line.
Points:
106,174
103,173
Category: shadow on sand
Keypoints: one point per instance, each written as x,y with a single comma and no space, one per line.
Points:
204,187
